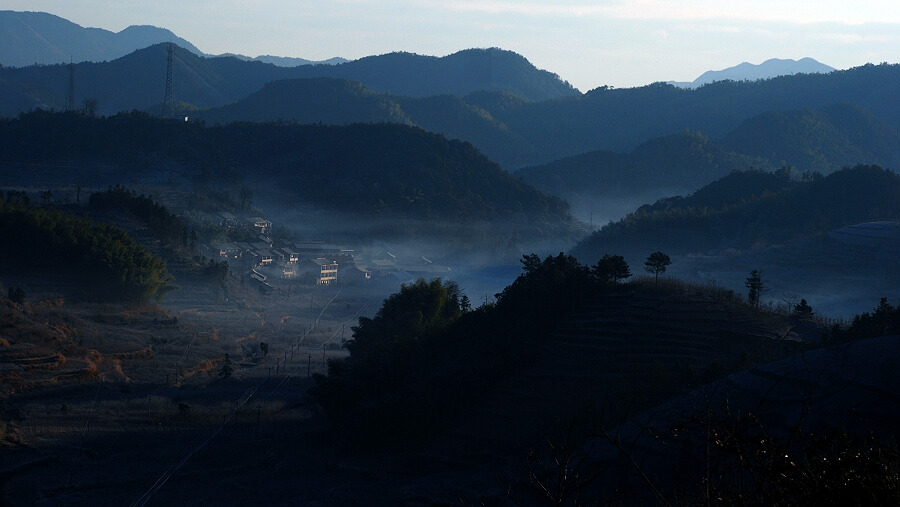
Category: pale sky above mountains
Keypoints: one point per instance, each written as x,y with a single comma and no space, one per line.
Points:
621,43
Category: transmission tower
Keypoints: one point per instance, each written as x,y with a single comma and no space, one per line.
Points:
168,109
70,92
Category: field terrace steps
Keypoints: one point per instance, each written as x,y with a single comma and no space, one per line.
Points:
621,352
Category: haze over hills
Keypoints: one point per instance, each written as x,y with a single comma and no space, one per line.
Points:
610,184
784,226
339,102
378,173
745,71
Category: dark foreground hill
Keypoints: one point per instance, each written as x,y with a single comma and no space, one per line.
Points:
579,360
775,434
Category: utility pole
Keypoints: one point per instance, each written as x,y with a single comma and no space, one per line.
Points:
70,92
168,109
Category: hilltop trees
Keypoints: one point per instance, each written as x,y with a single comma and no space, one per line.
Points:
394,384
610,269
363,391
49,240
803,310
657,263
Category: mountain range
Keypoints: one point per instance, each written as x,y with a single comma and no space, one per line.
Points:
39,38
650,141
745,71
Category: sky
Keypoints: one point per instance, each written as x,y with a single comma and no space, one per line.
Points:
618,43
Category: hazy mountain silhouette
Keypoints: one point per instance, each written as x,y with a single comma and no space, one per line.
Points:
458,74
29,38
340,102
622,119
325,100
773,67
137,81
286,61
682,161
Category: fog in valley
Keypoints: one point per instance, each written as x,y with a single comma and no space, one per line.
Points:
456,280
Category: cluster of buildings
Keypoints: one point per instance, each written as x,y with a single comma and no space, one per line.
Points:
263,260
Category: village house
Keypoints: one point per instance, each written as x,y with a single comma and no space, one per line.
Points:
261,225
323,271
227,251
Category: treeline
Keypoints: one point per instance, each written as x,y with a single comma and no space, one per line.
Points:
164,224
108,261
884,320
388,170
427,356
752,209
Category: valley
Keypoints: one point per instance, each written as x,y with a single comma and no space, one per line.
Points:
458,280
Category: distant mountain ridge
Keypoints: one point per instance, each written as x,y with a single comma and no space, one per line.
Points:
29,38
286,61
746,71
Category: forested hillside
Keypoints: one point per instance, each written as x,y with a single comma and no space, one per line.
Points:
753,209
818,140
340,102
104,258
678,163
385,170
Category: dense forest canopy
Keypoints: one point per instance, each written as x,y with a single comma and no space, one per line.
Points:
105,258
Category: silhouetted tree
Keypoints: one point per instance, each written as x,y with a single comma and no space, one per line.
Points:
264,347
610,269
802,309
657,263
464,304
755,287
